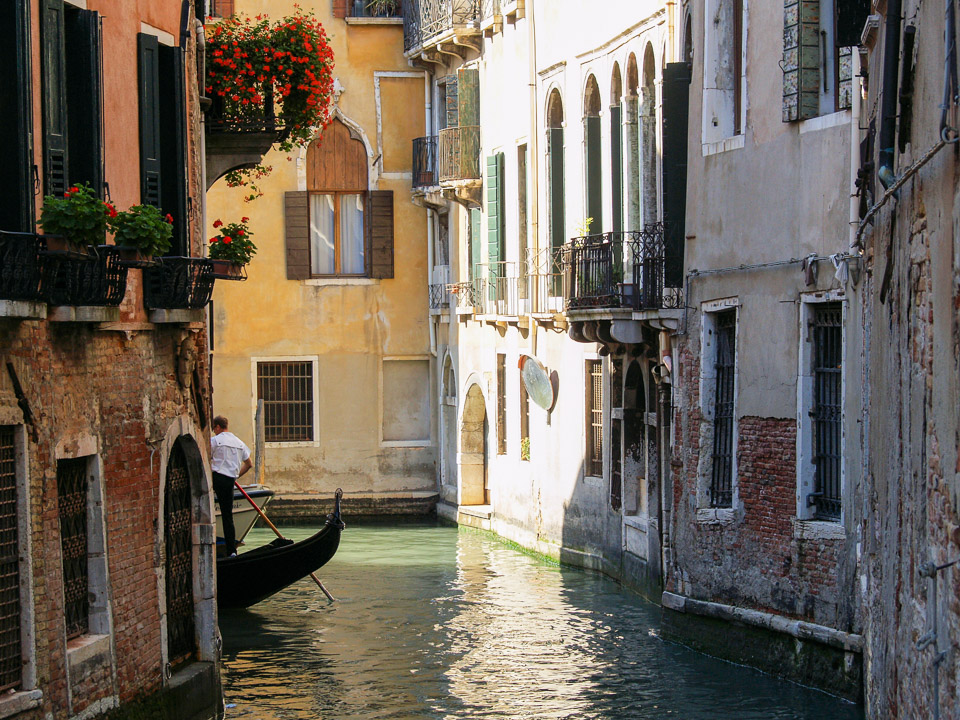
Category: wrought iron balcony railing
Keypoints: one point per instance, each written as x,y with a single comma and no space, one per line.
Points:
469,294
489,8
620,270
426,19
425,161
459,153
20,266
178,283
99,279
226,116
502,288
544,269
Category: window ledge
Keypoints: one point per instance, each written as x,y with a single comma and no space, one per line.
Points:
83,313
715,148
18,702
716,516
639,522
818,530
93,649
374,20
299,444
335,281
593,480
161,317
843,117
24,309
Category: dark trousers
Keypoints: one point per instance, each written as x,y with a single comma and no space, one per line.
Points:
223,487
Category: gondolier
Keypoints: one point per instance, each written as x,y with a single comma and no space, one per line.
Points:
229,459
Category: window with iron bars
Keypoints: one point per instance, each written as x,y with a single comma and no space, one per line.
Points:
11,660
594,418
501,404
72,487
286,389
827,410
721,480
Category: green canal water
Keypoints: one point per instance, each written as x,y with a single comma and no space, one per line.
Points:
432,621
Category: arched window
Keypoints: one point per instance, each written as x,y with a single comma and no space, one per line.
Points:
555,178
688,40
648,137
616,148
337,183
593,164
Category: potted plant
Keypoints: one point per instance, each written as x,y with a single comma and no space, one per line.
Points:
141,233
231,249
76,221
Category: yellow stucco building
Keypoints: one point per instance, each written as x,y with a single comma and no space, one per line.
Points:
331,327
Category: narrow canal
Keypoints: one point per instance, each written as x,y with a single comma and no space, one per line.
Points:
435,622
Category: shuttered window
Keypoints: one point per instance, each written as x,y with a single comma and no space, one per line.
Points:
594,172
676,104
495,220
149,96
54,98
556,178
16,181
82,76
616,167
173,142
475,251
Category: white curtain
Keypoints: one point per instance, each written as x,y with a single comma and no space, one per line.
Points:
351,235
322,224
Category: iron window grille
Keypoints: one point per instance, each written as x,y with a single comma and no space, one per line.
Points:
501,404
425,161
178,522
11,660
721,481
286,389
827,411
594,419
616,466
72,497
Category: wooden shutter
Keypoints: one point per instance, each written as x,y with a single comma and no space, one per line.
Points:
591,125
16,156
173,141
296,216
495,221
84,99
339,8
150,166
474,254
801,59
379,231
468,97
451,96
616,167
54,98
557,210
676,104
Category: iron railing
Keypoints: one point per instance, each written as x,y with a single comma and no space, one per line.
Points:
20,266
366,8
544,271
99,279
227,116
469,294
11,657
459,153
502,283
489,8
827,411
72,510
620,270
425,161
178,283
426,19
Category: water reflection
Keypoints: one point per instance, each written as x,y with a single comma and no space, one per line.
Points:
432,622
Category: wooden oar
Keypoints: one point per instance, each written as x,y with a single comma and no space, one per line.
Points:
274,528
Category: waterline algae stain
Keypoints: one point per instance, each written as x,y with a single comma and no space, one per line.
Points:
432,622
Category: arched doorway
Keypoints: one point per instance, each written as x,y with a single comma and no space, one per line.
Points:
178,542
474,485
448,418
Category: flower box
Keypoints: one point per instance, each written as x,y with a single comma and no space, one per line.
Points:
134,257
227,270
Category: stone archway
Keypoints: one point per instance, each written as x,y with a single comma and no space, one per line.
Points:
474,489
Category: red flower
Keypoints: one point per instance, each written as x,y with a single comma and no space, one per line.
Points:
239,233
213,240
170,218
217,223
245,219
74,189
227,239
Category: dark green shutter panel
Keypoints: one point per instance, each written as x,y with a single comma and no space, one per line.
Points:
801,59
16,181
468,97
676,111
475,256
296,217
616,167
495,220
557,210
380,233
54,98
594,174
84,121
149,76
173,141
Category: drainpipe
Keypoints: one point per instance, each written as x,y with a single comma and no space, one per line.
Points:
534,165
854,216
428,127
888,106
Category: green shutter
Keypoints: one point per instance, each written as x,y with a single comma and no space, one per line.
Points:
173,141
468,97
557,209
54,98
452,108
84,122
594,174
801,59
495,220
149,77
475,256
616,167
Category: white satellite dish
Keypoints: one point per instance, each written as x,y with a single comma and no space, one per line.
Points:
537,381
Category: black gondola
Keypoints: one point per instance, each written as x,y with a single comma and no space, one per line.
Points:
248,578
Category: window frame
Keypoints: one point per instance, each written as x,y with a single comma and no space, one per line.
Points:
254,375
337,245
593,457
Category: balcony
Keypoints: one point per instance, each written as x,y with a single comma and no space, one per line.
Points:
545,279
425,162
501,285
491,19
177,289
20,266
239,138
469,296
430,26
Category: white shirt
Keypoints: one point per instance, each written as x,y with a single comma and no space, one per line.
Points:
228,453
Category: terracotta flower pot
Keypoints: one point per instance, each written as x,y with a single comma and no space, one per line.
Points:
228,270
